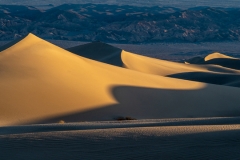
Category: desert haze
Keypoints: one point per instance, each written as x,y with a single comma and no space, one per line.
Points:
183,110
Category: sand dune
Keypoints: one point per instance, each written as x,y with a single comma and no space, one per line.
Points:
208,73
99,51
42,83
217,59
217,55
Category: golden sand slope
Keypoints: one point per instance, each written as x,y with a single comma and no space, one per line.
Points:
208,73
42,82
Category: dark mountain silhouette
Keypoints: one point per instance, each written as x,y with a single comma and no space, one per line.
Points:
121,24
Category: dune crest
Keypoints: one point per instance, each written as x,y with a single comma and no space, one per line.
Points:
217,59
207,73
164,67
217,55
42,83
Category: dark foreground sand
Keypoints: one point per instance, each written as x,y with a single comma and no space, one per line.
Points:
144,139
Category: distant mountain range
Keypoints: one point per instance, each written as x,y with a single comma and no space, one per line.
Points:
121,24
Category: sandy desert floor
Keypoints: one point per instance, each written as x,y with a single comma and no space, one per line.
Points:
187,110
151,139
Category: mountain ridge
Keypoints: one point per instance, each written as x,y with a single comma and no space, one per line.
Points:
121,24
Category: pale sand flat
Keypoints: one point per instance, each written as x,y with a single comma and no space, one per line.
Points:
174,142
42,83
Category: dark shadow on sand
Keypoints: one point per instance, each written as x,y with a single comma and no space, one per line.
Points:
213,78
129,144
225,62
99,51
150,103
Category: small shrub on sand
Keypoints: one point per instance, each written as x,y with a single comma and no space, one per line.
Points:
61,122
130,118
125,118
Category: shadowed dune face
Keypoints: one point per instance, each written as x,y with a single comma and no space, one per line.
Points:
100,52
213,78
195,60
225,62
6,46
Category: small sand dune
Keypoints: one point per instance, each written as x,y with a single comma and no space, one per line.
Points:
217,55
217,59
42,83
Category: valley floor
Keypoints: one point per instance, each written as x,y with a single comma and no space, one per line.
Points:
194,138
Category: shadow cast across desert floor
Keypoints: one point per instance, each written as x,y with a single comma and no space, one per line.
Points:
133,143
151,103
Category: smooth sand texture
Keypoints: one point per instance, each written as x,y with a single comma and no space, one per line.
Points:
166,142
42,83
208,73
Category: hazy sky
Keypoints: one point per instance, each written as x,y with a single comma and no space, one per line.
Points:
172,3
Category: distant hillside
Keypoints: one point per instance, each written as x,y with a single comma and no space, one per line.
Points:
121,24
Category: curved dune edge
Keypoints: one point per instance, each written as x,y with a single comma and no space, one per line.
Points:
164,67
212,56
6,46
217,55
217,59
207,73
42,83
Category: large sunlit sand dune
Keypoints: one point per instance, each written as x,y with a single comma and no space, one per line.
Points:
42,83
208,73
